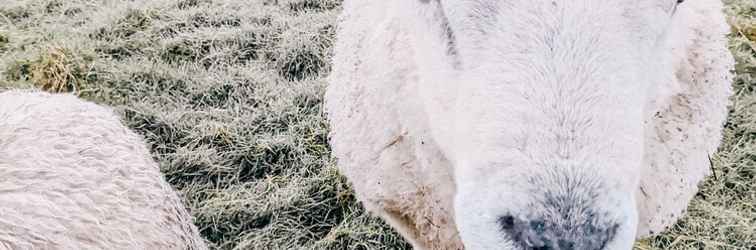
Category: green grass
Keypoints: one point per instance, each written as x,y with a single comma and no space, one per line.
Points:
228,93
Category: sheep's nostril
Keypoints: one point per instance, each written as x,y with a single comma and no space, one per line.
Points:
565,244
506,222
541,234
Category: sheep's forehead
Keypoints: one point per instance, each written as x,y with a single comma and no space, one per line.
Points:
485,17
482,9
513,42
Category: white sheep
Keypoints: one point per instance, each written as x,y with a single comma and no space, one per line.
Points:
524,124
73,177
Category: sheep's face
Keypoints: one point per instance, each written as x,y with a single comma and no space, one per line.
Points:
550,131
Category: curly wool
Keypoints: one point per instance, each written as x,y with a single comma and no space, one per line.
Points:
73,177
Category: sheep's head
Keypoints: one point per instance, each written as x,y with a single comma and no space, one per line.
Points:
551,101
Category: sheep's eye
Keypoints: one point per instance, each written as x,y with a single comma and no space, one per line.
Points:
674,8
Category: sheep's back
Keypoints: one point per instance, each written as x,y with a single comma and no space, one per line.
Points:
73,177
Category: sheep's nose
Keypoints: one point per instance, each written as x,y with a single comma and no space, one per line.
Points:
542,235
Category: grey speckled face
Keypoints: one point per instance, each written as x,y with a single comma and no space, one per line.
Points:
554,210
563,215
542,234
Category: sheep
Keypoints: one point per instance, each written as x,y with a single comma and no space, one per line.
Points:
528,124
73,177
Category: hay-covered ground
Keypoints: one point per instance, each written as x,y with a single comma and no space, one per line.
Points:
228,93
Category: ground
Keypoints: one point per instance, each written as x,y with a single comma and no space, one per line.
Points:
228,93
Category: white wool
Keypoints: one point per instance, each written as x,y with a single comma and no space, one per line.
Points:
73,177
611,108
